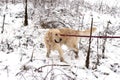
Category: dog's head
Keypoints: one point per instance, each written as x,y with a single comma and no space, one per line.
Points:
55,35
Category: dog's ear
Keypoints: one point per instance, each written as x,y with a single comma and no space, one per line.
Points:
50,33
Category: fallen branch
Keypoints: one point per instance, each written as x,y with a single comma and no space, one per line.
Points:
40,68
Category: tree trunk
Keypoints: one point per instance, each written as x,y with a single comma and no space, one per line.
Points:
26,15
88,53
3,23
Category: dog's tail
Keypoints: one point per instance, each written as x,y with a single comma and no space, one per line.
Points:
87,32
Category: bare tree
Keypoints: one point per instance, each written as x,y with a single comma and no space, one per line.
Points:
26,15
88,53
4,18
105,39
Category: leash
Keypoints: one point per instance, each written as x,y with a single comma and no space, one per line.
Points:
90,36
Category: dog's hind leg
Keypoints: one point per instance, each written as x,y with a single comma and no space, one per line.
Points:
76,54
75,49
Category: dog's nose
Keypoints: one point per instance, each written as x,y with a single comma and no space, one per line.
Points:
60,39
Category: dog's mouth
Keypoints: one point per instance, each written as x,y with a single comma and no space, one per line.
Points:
58,41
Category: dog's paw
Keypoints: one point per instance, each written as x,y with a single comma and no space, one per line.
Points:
47,56
61,59
76,56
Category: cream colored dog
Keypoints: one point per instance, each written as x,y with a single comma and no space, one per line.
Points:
54,40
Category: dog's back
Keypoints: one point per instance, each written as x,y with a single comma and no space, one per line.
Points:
87,32
68,40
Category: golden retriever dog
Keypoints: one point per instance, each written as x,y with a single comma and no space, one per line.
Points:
54,40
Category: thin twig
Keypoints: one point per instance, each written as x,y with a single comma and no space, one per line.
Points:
31,59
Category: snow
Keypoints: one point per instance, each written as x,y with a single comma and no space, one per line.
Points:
15,61
109,2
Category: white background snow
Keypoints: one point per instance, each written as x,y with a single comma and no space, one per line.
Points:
18,42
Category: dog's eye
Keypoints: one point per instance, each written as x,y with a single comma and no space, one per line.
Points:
56,34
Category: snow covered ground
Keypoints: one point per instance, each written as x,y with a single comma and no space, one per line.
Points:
18,43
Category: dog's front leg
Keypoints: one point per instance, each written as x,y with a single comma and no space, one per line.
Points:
48,53
60,53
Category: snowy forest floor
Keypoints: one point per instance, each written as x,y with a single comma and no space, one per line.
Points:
18,43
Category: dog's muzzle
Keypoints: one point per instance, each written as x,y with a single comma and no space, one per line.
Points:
58,41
